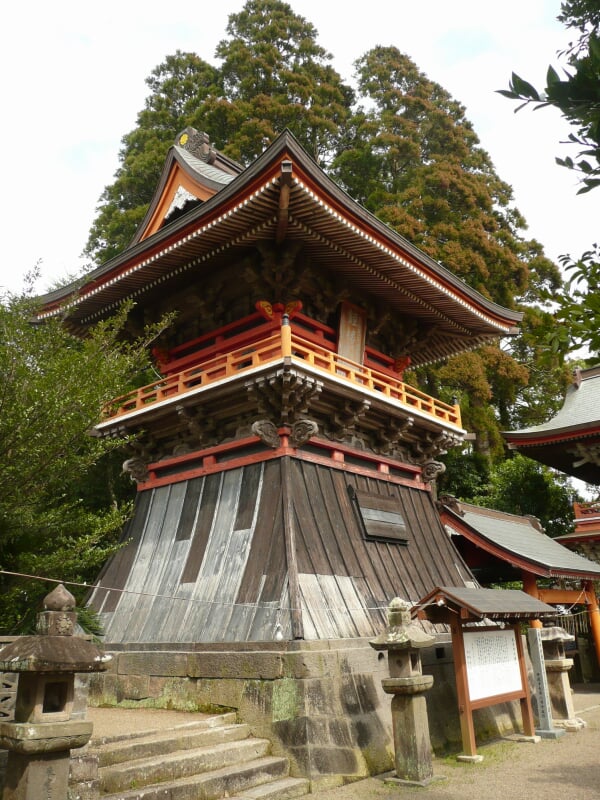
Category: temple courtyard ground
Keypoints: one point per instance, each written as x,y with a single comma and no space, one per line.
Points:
566,767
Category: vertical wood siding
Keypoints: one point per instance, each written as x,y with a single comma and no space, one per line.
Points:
206,558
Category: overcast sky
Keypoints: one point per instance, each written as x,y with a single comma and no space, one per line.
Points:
74,82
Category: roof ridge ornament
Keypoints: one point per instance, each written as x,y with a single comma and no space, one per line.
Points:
197,143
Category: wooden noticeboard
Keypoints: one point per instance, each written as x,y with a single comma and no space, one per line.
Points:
492,663
490,669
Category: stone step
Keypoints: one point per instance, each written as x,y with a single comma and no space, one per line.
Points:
157,745
181,764
232,781
214,721
283,789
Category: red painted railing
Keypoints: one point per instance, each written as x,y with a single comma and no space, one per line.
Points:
284,343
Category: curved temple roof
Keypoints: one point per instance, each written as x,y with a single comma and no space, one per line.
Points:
285,195
570,441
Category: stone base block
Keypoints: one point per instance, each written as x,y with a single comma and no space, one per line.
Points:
392,779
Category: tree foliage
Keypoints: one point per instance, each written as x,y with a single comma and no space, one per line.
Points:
411,156
62,498
273,74
516,485
576,94
521,486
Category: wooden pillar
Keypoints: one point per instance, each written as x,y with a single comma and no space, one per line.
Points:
594,614
530,587
465,715
286,337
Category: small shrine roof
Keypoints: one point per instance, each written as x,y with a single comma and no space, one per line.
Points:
515,539
570,441
487,603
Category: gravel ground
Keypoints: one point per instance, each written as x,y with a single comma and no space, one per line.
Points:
566,767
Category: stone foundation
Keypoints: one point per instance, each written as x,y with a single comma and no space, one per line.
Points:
320,703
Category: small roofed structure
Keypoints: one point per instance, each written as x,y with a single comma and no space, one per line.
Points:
489,658
477,604
501,547
570,441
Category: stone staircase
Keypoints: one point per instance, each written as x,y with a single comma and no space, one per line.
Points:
207,759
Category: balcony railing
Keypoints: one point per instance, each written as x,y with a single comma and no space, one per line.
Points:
286,343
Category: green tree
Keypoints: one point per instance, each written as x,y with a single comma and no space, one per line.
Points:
56,520
576,94
273,75
516,485
179,87
521,486
412,157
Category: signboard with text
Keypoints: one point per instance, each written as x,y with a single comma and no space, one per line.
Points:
492,662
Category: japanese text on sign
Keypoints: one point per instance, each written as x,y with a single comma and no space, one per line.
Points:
492,663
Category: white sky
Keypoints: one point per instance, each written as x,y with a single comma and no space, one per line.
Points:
74,82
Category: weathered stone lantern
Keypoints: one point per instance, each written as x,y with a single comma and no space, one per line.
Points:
42,733
403,641
557,674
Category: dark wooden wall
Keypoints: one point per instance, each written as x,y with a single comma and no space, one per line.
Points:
205,559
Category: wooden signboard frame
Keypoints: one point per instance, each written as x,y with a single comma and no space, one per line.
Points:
478,661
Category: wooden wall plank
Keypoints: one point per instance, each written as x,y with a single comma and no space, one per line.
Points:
267,533
116,630
204,520
151,608
206,607
117,569
249,493
141,626
325,624
190,508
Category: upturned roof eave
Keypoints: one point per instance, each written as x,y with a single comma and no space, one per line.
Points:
536,437
286,145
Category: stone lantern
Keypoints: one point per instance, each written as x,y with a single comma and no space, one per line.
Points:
40,737
557,674
403,641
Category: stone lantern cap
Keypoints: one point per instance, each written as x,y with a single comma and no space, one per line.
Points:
554,633
401,633
54,648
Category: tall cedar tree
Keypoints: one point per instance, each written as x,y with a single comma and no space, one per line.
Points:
411,156
273,75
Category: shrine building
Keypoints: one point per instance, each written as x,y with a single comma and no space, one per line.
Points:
284,467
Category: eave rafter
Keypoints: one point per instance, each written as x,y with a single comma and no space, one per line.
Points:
379,276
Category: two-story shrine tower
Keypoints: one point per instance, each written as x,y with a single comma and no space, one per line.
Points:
283,465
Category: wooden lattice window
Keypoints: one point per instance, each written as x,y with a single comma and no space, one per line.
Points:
379,516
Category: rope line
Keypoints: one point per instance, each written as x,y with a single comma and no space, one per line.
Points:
345,609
